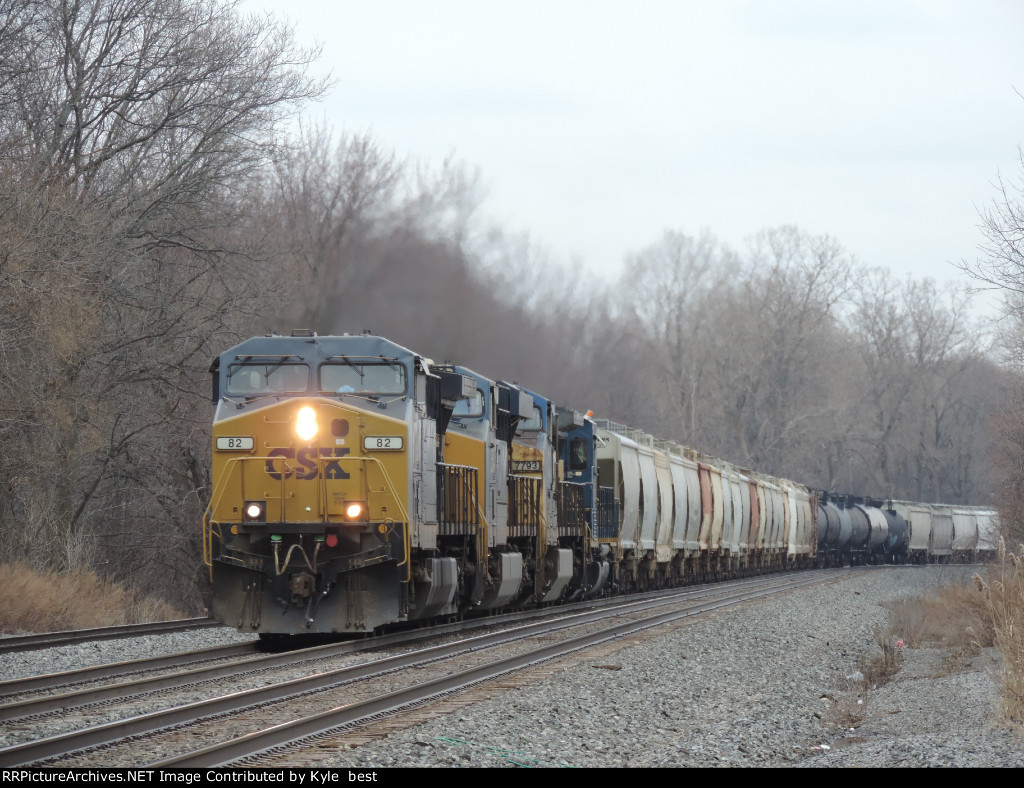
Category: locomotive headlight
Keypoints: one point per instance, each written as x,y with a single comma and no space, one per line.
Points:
355,510
305,423
254,511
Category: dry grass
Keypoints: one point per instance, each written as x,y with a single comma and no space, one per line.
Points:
1004,593
959,618
849,706
42,602
847,710
955,616
879,666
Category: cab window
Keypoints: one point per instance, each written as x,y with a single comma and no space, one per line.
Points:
469,407
578,454
356,378
266,379
534,423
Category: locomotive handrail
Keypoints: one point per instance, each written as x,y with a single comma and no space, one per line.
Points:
572,507
218,493
406,534
483,549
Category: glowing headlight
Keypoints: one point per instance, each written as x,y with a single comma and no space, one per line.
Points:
305,423
354,510
254,511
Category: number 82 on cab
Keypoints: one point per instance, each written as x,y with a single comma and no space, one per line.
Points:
383,443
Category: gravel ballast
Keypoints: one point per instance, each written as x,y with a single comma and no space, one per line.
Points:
753,686
770,683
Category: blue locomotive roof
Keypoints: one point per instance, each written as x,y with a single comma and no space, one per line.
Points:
315,348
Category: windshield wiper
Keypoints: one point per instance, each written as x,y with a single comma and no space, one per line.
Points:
394,363
247,398
356,394
276,362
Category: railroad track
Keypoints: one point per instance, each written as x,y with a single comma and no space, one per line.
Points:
34,696
11,689
235,724
56,683
51,639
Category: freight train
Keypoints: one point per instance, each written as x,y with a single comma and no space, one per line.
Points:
356,484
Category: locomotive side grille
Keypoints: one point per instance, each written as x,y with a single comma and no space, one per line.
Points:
457,510
572,511
524,507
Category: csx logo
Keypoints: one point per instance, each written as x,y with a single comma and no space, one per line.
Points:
307,458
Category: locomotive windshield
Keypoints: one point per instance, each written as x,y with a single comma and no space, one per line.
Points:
470,406
532,424
352,377
257,379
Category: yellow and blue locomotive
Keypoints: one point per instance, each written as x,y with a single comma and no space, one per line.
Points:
324,502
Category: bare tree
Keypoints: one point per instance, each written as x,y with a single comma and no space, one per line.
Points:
325,196
1000,268
673,288
132,133
787,312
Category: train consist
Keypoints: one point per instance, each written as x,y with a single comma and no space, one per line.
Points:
357,484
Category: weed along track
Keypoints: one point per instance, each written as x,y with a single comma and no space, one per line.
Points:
257,718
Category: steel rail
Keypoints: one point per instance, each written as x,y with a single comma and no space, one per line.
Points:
69,678
12,687
129,689
18,686
68,637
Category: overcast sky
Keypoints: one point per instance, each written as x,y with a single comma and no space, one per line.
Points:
598,124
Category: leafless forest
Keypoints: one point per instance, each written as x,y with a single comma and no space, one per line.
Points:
164,194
